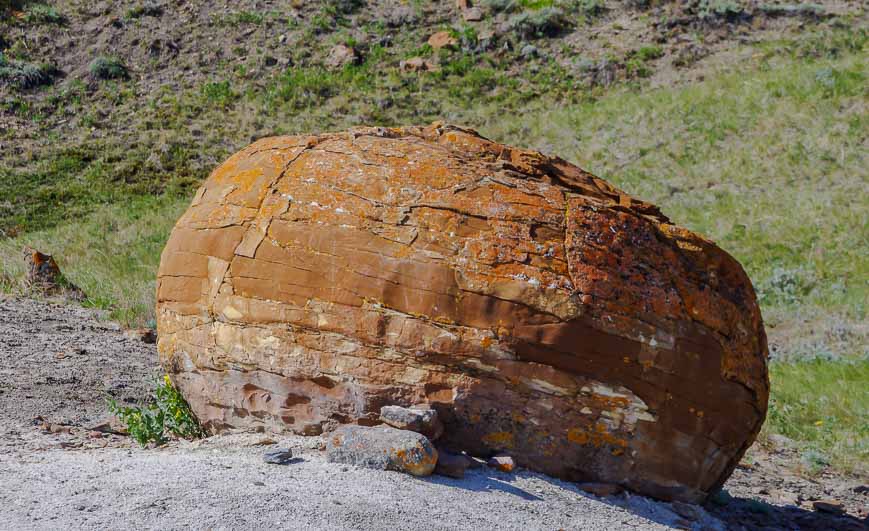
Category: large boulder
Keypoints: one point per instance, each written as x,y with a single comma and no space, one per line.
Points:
541,311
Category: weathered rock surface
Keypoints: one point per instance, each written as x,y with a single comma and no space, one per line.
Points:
451,465
541,311
420,420
382,448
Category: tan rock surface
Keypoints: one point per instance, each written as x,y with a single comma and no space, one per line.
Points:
541,311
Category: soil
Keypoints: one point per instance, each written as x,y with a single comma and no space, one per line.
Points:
60,362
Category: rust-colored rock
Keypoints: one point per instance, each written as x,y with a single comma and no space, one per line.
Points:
442,39
541,311
44,274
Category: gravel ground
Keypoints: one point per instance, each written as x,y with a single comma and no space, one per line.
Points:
58,363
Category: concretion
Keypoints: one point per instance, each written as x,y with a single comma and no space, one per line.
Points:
541,311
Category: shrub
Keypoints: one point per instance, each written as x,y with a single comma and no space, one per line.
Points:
147,9
42,14
721,9
24,75
108,68
166,413
546,22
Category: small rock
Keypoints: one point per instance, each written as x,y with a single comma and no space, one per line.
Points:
442,39
601,489
861,489
279,456
474,14
451,465
504,463
780,442
44,273
382,448
784,497
529,51
420,420
829,506
265,442
145,335
417,64
340,56
687,511
96,435
109,425
259,484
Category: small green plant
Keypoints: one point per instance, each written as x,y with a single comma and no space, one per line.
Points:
220,93
648,53
42,14
108,68
167,413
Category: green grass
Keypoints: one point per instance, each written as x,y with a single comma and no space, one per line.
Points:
824,406
111,254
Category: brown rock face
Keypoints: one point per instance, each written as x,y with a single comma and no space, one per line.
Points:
541,311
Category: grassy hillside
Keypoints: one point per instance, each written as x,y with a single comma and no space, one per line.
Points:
758,140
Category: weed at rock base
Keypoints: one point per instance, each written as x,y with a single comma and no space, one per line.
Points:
166,414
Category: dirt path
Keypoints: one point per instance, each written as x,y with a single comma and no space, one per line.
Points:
59,362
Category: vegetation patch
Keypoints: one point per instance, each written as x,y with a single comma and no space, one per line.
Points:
824,405
165,414
108,68
24,75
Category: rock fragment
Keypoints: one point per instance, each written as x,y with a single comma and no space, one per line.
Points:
278,456
341,55
421,420
451,465
44,274
504,463
601,489
382,448
829,506
442,39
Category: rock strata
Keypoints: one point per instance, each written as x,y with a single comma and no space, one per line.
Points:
540,310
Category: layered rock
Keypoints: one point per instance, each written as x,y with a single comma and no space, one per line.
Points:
541,311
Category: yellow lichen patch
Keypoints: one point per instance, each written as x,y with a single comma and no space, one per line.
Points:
499,439
577,435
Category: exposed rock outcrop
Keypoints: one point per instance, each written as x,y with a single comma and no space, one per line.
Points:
541,311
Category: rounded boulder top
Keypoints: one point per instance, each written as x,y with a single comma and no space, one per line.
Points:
542,312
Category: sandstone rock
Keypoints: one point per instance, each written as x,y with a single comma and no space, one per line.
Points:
473,14
341,55
442,39
424,421
451,465
541,311
382,448
504,463
829,506
601,489
278,456
418,64
44,274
